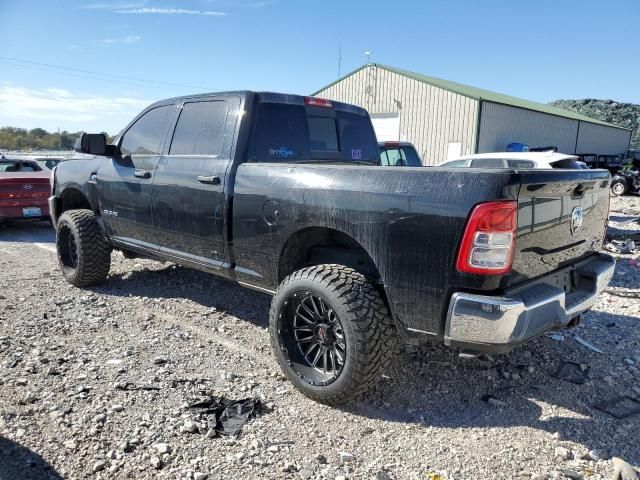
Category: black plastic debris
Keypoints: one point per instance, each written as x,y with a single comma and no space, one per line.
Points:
133,386
228,415
620,407
573,372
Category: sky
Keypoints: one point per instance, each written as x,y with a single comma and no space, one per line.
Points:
117,56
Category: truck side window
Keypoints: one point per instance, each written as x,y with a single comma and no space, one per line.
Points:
200,129
145,136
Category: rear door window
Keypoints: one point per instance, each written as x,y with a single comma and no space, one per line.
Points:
200,129
146,135
286,132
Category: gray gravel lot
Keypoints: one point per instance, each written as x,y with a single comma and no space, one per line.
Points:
66,353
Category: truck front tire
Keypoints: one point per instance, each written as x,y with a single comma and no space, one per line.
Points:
331,332
84,254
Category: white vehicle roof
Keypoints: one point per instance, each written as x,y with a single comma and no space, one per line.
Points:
542,159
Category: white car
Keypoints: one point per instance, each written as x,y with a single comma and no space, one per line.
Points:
547,160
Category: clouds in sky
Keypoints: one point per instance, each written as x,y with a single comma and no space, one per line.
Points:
53,107
128,40
171,11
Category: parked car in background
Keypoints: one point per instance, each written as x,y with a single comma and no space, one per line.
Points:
613,163
24,190
44,162
537,160
399,154
627,180
49,162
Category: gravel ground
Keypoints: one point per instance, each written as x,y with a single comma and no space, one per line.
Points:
66,353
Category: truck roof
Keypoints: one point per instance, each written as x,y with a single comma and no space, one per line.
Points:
275,97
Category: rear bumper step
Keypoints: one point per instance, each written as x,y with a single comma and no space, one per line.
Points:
499,323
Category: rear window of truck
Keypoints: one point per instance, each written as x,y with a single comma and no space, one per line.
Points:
401,156
288,133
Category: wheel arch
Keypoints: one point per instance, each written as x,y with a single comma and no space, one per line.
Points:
323,245
72,198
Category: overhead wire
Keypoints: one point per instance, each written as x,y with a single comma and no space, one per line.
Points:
78,72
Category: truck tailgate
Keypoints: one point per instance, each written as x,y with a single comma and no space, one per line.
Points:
562,217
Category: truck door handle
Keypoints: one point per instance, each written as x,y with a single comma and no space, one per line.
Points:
142,173
209,179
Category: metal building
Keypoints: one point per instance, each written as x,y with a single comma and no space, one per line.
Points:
445,119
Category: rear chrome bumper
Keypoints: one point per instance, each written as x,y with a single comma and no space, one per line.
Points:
499,323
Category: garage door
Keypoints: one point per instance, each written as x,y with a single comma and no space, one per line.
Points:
387,126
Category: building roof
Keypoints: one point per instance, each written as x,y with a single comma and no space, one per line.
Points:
481,94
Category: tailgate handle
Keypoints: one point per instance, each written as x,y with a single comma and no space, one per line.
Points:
142,173
210,179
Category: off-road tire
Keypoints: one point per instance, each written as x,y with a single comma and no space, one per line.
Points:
369,331
93,251
615,188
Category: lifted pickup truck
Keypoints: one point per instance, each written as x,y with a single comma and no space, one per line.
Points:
284,194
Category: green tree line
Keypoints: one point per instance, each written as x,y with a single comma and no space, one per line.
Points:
12,138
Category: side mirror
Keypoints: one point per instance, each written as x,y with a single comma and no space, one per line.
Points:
92,144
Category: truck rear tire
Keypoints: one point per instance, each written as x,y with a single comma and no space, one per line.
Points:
331,332
84,254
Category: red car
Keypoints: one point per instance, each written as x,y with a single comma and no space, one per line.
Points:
24,189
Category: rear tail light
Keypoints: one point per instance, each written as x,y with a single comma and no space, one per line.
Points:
318,102
489,239
391,144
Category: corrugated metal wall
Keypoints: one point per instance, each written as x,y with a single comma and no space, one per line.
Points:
430,118
602,140
501,125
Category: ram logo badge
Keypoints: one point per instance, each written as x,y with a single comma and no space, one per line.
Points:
576,220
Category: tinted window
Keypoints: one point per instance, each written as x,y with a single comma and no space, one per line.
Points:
520,164
285,131
280,133
357,138
146,135
200,129
323,134
487,163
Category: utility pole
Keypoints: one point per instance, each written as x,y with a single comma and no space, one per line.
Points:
59,140
368,54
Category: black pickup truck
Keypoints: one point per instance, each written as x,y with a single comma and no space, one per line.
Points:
285,194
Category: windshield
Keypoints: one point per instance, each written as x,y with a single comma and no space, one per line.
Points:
401,156
289,133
